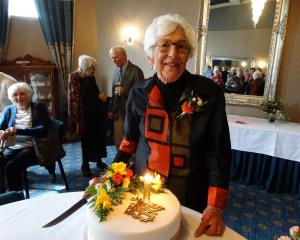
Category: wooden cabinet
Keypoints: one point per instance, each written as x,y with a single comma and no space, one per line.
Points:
40,75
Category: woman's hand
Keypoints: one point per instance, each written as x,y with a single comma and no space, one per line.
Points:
11,131
3,135
94,181
110,115
102,97
212,222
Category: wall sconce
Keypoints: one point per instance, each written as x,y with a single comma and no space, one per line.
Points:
262,64
257,8
244,64
129,35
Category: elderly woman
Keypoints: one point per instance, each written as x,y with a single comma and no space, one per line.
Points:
86,113
176,123
20,121
255,85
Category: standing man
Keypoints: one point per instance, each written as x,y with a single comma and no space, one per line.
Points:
125,76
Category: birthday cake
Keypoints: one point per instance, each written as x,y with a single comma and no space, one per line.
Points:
118,212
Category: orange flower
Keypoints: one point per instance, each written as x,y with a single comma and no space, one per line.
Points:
129,173
187,108
118,178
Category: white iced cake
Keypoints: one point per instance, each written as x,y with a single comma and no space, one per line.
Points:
121,226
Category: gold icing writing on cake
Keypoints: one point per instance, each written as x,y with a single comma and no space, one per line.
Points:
143,211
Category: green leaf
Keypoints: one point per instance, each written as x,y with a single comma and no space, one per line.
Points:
91,190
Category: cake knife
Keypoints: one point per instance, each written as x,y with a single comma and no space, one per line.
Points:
68,212
75,206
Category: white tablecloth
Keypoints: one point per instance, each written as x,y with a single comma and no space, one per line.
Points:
24,220
257,135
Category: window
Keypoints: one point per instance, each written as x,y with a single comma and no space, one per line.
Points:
22,8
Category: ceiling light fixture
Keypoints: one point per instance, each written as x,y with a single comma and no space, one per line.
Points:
257,8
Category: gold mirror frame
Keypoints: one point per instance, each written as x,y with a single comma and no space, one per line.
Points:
275,52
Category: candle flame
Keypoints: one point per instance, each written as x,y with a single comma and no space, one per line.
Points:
148,178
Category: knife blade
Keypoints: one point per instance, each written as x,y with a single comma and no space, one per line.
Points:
67,213
76,206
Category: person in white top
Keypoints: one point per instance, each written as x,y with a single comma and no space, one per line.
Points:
21,122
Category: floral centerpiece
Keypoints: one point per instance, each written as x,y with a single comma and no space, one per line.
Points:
109,190
270,106
274,109
294,234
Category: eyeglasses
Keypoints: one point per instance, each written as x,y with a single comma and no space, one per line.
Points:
165,45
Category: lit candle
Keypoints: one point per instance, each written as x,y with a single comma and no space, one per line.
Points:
147,187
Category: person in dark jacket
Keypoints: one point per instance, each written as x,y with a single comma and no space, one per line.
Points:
86,113
126,74
176,124
19,123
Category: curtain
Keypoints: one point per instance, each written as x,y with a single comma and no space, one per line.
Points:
271,173
56,20
3,26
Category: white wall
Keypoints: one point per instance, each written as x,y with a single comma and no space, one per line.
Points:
85,34
99,23
240,43
26,37
114,15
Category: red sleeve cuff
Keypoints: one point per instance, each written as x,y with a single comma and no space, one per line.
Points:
128,146
217,197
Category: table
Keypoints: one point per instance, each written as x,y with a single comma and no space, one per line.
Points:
23,220
257,135
265,154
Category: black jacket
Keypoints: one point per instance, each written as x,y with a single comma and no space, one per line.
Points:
208,141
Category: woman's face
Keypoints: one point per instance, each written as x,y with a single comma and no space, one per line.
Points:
90,71
21,99
170,56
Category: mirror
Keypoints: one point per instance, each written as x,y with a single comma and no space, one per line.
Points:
272,49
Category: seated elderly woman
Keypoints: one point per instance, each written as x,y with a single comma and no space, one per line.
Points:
177,126
255,85
20,121
235,81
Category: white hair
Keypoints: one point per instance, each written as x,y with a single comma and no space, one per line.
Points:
164,25
85,62
257,75
233,70
24,87
120,50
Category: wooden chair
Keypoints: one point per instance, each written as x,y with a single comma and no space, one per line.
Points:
59,126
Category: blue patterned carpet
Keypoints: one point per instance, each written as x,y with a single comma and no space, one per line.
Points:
251,212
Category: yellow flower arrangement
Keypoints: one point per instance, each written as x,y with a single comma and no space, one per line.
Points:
108,191
119,167
126,182
102,200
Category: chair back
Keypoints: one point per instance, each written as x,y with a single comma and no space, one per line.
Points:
10,197
59,127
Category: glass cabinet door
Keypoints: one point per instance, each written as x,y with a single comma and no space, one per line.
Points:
40,84
40,75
